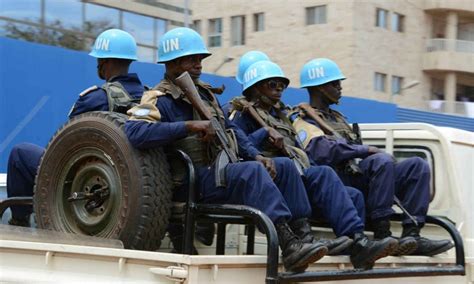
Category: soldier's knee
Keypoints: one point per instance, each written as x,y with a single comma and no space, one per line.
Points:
327,170
420,164
19,151
254,167
317,172
285,165
384,158
283,162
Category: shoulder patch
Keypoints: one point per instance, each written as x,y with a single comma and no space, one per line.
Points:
88,90
147,109
141,112
302,135
306,131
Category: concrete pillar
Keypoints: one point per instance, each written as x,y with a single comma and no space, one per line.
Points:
450,91
451,29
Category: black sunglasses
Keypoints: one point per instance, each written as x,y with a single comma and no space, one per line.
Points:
275,84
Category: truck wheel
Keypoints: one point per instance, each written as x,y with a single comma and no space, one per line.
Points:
92,181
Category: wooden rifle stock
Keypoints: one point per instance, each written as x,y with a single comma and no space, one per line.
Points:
351,166
287,151
309,111
186,84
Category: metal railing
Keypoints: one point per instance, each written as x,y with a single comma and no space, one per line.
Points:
457,108
442,44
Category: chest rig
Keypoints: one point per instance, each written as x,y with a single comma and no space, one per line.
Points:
338,124
202,154
281,124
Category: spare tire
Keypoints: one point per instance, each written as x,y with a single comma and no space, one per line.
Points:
92,181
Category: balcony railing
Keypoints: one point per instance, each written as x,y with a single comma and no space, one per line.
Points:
457,108
442,44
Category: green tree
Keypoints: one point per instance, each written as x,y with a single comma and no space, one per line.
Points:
56,34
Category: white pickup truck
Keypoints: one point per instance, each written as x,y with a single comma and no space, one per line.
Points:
34,255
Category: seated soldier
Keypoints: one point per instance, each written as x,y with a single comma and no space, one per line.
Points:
167,117
261,115
380,177
114,50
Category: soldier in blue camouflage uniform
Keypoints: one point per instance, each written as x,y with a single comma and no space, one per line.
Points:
167,118
377,174
263,117
114,50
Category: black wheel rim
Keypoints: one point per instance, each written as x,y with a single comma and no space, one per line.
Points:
89,171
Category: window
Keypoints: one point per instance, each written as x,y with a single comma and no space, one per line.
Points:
237,36
379,82
402,154
396,85
381,18
398,22
161,26
316,15
64,14
258,22
141,27
215,32
98,19
197,26
21,9
146,54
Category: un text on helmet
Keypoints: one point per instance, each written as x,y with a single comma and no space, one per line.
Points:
250,74
171,45
102,44
316,72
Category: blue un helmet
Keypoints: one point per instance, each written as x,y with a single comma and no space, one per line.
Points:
180,42
262,70
115,43
320,71
248,59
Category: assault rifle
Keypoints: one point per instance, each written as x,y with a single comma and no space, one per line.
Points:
288,151
351,167
227,154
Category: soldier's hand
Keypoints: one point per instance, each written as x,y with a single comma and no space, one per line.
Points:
203,127
268,164
275,137
374,150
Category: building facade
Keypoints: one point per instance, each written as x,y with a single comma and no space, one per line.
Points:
75,24
416,53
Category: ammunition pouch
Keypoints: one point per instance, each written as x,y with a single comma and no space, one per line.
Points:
118,98
202,155
125,106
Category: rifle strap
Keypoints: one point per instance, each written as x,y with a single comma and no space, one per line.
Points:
309,111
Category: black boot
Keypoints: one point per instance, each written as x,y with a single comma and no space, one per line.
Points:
365,252
295,253
406,244
205,233
176,235
22,221
425,247
302,229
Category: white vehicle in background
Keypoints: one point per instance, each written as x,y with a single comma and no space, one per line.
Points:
31,255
